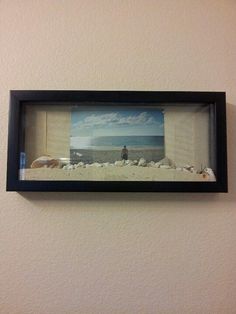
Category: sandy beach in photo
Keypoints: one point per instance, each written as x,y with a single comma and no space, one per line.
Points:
94,155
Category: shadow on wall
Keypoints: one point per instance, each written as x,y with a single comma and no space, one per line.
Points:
157,197
231,143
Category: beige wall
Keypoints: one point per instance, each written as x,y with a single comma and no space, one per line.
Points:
108,253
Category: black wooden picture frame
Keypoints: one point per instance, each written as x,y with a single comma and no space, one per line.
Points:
19,98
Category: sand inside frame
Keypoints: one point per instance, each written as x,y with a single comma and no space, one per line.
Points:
112,173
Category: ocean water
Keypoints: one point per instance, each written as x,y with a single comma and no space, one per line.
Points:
117,142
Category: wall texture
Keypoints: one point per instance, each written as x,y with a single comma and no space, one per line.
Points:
128,253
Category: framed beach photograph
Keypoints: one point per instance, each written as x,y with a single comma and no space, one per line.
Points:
119,141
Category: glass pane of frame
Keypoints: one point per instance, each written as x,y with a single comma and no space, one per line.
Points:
171,142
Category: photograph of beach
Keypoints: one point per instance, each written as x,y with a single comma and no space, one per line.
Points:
100,136
107,135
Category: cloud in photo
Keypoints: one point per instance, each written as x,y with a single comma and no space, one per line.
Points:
120,122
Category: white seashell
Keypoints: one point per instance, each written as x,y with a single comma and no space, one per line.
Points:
208,172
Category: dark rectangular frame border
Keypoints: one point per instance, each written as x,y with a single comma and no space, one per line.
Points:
18,97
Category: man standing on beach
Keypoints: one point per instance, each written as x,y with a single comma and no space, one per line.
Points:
124,153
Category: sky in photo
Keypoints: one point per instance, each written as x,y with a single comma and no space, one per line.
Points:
117,122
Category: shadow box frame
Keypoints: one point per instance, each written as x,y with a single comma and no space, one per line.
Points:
18,98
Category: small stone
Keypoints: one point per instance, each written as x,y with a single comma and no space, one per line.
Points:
96,164
80,164
165,167
129,163
142,162
120,163
167,162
